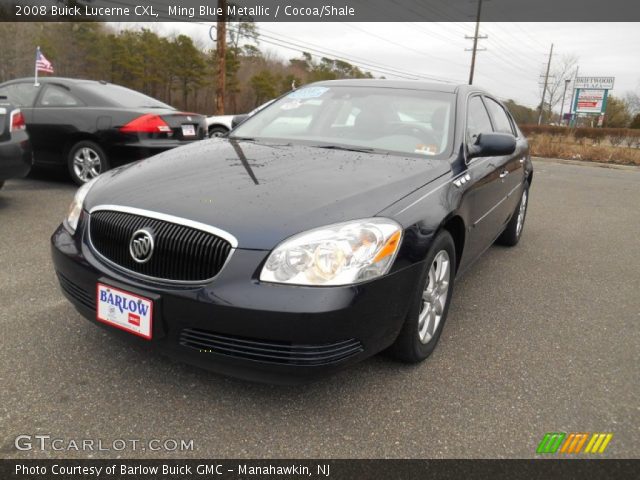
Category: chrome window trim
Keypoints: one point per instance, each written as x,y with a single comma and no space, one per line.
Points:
167,218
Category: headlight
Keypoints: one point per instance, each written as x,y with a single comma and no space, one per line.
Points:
75,209
340,254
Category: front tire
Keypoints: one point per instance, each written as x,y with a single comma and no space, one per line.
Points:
511,235
86,160
429,304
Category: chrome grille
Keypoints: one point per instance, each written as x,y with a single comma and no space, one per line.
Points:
181,253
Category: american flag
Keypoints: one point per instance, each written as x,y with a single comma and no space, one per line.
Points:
42,64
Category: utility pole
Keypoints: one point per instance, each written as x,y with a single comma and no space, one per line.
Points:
221,52
564,94
572,122
546,82
475,38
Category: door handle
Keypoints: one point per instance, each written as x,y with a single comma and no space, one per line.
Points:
504,173
522,160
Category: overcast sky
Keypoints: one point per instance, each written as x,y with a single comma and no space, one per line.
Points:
515,56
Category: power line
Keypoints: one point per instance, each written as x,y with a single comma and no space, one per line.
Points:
366,64
301,47
419,52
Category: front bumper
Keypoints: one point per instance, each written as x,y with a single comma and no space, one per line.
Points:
241,327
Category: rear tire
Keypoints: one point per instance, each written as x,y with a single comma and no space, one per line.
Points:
86,160
215,132
511,235
429,303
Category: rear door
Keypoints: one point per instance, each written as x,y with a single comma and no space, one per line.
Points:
56,118
512,174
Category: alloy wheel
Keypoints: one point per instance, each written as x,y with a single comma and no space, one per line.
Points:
521,213
434,297
87,164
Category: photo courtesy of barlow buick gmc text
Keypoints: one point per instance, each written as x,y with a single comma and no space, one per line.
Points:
291,239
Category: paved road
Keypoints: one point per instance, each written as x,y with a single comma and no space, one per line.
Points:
542,337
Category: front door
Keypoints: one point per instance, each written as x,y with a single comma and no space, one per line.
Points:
512,175
484,200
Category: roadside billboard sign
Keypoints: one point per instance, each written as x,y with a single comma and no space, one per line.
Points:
591,101
596,83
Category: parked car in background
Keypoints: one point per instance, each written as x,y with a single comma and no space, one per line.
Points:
219,125
325,229
15,149
91,126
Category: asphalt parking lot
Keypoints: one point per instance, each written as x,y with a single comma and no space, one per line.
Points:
540,338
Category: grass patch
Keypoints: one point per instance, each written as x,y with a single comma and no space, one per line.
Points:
571,148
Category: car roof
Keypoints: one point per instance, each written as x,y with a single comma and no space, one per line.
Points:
400,84
359,82
59,80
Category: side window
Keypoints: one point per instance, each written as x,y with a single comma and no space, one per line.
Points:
500,118
20,94
54,96
477,119
514,125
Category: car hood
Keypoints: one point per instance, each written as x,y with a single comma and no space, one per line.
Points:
264,193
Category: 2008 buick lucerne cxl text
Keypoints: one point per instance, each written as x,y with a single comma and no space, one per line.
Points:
326,228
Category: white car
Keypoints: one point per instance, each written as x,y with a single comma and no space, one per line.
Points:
218,125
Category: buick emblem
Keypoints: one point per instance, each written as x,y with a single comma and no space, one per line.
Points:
141,245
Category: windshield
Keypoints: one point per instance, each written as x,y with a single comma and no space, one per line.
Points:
415,122
124,97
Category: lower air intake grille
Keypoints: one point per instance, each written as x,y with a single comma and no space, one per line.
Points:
87,299
269,351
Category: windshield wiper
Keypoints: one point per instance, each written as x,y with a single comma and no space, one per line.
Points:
345,148
243,139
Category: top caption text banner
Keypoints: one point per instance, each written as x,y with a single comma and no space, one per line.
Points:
321,11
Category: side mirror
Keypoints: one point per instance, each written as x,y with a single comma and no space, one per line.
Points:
492,145
237,120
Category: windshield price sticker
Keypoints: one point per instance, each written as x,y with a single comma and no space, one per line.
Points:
309,92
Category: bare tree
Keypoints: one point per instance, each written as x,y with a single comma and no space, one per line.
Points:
632,101
562,68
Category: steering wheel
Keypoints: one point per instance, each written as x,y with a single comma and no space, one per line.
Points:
422,134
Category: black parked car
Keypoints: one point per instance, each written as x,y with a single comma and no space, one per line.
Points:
91,126
15,149
326,228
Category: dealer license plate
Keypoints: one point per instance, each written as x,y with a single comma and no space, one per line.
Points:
188,131
124,310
